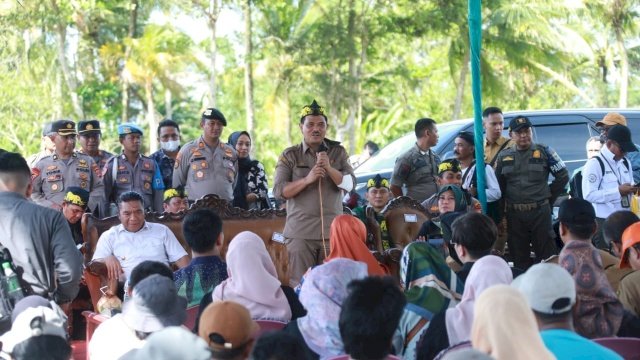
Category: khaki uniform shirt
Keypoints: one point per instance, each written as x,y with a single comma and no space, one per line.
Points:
203,170
523,174
303,210
100,159
142,177
611,270
491,150
629,292
51,176
418,170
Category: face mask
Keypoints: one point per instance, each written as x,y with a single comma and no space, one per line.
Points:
170,145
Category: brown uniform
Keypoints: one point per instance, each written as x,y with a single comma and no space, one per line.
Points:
203,170
629,292
491,150
51,176
303,227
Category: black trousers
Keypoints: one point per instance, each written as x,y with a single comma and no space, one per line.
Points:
527,229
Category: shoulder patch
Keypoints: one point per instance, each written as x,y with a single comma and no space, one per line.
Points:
592,178
35,172
404,170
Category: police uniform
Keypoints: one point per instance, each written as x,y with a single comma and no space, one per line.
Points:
143,177
51,176
89,126
418,170
32,160
523,175
303,231
204,170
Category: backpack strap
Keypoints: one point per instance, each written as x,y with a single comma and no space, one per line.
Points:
601,169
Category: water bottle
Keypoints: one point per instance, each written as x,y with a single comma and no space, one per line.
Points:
14,289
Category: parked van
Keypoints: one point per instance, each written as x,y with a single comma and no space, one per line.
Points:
565,131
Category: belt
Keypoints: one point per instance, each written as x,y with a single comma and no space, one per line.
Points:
527,206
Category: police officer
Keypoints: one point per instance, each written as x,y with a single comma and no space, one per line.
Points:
418,167
132,171
55,173
207,165
89,135
522,172
47,147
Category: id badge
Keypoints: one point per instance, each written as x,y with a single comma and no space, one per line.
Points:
625,202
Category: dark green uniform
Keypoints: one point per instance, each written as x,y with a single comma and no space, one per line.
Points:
523,176
418,170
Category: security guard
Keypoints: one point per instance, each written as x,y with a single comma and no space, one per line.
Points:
207,165
522,172
132,171
418,167
54,174
89,135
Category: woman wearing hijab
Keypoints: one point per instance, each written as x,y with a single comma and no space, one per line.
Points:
253,280
348,240
505,328
252,190
322,295
598,312
453,325
430,287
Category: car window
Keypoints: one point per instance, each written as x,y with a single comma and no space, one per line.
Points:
386,157
568,140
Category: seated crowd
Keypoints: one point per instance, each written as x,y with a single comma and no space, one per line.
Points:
449,295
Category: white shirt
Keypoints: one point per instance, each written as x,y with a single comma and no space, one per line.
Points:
153,242
112,339
602,189
493,188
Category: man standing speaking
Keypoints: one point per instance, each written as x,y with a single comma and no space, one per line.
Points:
311,176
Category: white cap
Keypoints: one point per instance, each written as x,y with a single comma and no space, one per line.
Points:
548,288
32,322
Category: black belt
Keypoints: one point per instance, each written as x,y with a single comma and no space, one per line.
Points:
527,206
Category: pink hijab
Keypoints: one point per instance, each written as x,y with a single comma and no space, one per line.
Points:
253,280
490,270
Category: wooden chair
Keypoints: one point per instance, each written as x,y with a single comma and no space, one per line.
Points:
628,348
93,320
192,314
235,220
404,217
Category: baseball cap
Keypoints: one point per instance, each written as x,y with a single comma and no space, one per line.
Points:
519,122
214,114
63,127
46,129
129,128
548,288
226,325
32,322
170,343
87,126
77,196
154,305
576,211
612,118
31,301
622,135
630,237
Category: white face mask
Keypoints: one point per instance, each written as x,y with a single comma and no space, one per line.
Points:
170,145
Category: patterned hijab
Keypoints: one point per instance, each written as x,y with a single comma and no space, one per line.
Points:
597,312
322,294
505,328
429,284
253,280
488,271
348,240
